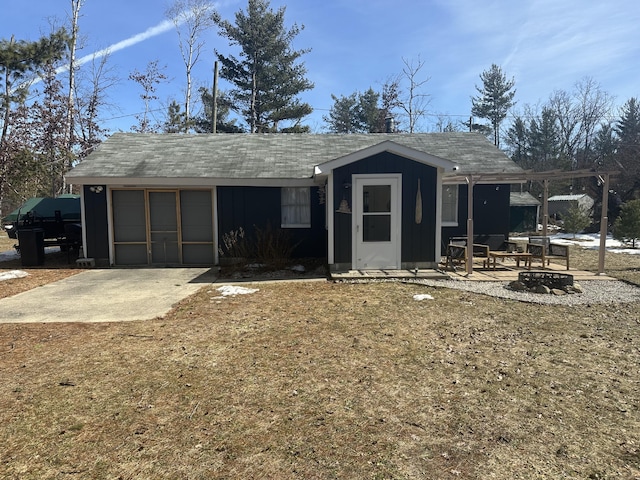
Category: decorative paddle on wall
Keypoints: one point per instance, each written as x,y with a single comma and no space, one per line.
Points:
419,205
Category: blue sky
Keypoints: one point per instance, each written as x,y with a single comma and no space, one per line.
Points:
545,45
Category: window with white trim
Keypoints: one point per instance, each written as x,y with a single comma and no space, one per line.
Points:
450,205
295,207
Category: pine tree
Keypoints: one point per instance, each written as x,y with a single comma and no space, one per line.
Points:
176,119
368,112
267,75
20,61
544,141
518,140
575,220
495,100
627,225
363,112
628,155
203,123
344,116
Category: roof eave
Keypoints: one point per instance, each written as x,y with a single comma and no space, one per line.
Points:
195,182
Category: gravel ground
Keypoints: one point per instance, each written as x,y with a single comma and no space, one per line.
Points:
595,291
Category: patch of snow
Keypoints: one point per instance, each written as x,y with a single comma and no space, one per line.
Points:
298,268
592,242
9,255
11,274
232,290
422,296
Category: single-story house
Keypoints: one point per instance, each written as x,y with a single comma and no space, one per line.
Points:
559,205
362,201
524,212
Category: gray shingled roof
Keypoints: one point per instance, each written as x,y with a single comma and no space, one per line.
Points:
269,156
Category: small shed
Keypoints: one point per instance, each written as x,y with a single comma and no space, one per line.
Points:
524,211
559,205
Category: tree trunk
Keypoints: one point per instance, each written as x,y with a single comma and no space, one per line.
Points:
69,134
4,159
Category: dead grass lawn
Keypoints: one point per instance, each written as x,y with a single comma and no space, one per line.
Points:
321,380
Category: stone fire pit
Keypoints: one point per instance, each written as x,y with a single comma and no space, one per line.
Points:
545,282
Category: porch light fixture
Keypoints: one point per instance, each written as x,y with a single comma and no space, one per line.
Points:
96,189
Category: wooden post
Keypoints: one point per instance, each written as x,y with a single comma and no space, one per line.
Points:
604,222
545,207
469,261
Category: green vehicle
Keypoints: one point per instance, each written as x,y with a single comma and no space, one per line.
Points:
58,217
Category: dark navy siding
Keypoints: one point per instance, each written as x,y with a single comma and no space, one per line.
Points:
491,213
417,239
96,223
251,207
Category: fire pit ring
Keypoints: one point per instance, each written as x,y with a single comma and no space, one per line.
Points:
548,279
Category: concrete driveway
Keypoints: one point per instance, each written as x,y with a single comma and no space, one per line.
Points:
106,295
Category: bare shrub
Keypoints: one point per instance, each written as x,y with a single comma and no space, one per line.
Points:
235,245
273,246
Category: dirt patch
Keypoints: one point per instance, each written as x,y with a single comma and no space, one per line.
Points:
322,380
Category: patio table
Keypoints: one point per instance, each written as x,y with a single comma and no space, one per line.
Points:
517,256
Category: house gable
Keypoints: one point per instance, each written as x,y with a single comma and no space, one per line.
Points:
419,240
385,146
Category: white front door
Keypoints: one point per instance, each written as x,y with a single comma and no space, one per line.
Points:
377,221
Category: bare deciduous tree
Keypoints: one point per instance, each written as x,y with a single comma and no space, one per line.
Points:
91,99
74,30
148,80
414,103
578,115
191,19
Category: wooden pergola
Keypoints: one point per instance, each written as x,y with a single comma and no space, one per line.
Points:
544,178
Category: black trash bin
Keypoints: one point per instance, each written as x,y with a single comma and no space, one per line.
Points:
31,242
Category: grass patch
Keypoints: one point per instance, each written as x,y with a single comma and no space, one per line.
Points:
321,380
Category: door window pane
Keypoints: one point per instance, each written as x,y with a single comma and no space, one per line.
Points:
377,228
376,198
